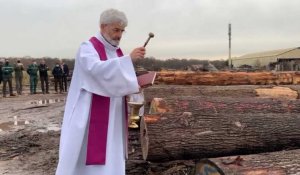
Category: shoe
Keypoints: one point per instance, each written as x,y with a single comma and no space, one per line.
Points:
12,94
47,93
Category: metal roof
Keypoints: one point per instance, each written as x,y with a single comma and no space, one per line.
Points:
266,53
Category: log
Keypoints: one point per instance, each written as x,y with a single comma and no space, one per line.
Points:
243,91
187,135
277,92
285,162
221,105
161,91
137,167
227,78
277,163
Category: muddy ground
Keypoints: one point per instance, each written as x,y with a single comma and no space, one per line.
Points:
30,130
29,133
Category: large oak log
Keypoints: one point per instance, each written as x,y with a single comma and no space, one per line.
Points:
186,135
243,91
220,105
162,91
277,163
227,78
272,163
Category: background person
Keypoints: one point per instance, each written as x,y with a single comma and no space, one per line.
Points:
7,71
19,67
32,71
65,75
57,72
43,71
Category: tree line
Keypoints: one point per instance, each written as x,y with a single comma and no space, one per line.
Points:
151,63
50,62
148,63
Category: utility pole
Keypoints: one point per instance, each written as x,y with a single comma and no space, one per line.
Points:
229,57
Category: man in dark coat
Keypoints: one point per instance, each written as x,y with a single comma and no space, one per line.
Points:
43,70
65,69
57,72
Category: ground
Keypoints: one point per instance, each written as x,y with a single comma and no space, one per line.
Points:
29,133
30,128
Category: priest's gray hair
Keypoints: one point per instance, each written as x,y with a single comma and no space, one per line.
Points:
113,16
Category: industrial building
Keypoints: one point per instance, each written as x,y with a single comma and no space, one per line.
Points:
283,60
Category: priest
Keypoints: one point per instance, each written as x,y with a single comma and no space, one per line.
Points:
94,129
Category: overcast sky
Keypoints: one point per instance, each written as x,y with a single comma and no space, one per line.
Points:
182,28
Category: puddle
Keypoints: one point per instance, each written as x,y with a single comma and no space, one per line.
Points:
47,101
49,128
6,126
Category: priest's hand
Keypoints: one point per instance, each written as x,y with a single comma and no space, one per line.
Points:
138,53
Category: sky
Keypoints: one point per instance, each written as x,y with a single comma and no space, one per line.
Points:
183,29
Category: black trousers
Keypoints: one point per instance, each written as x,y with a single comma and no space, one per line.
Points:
57,81
64,83
9,81
44,84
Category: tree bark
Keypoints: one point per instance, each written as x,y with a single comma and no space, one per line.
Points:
187,135
222,105
243,91
272,163
278,163
227,78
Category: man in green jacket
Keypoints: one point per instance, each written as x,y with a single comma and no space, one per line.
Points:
32,70
19,76
7,71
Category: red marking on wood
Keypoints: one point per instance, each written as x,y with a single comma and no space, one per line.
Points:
151,118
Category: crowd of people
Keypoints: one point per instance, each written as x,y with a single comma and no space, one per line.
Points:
60,73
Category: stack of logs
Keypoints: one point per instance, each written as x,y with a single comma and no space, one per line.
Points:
244,130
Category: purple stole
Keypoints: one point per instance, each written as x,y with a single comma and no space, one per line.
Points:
99,117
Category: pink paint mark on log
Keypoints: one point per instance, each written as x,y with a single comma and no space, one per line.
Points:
151,118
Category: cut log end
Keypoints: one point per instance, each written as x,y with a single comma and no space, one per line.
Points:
277,92
158,104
